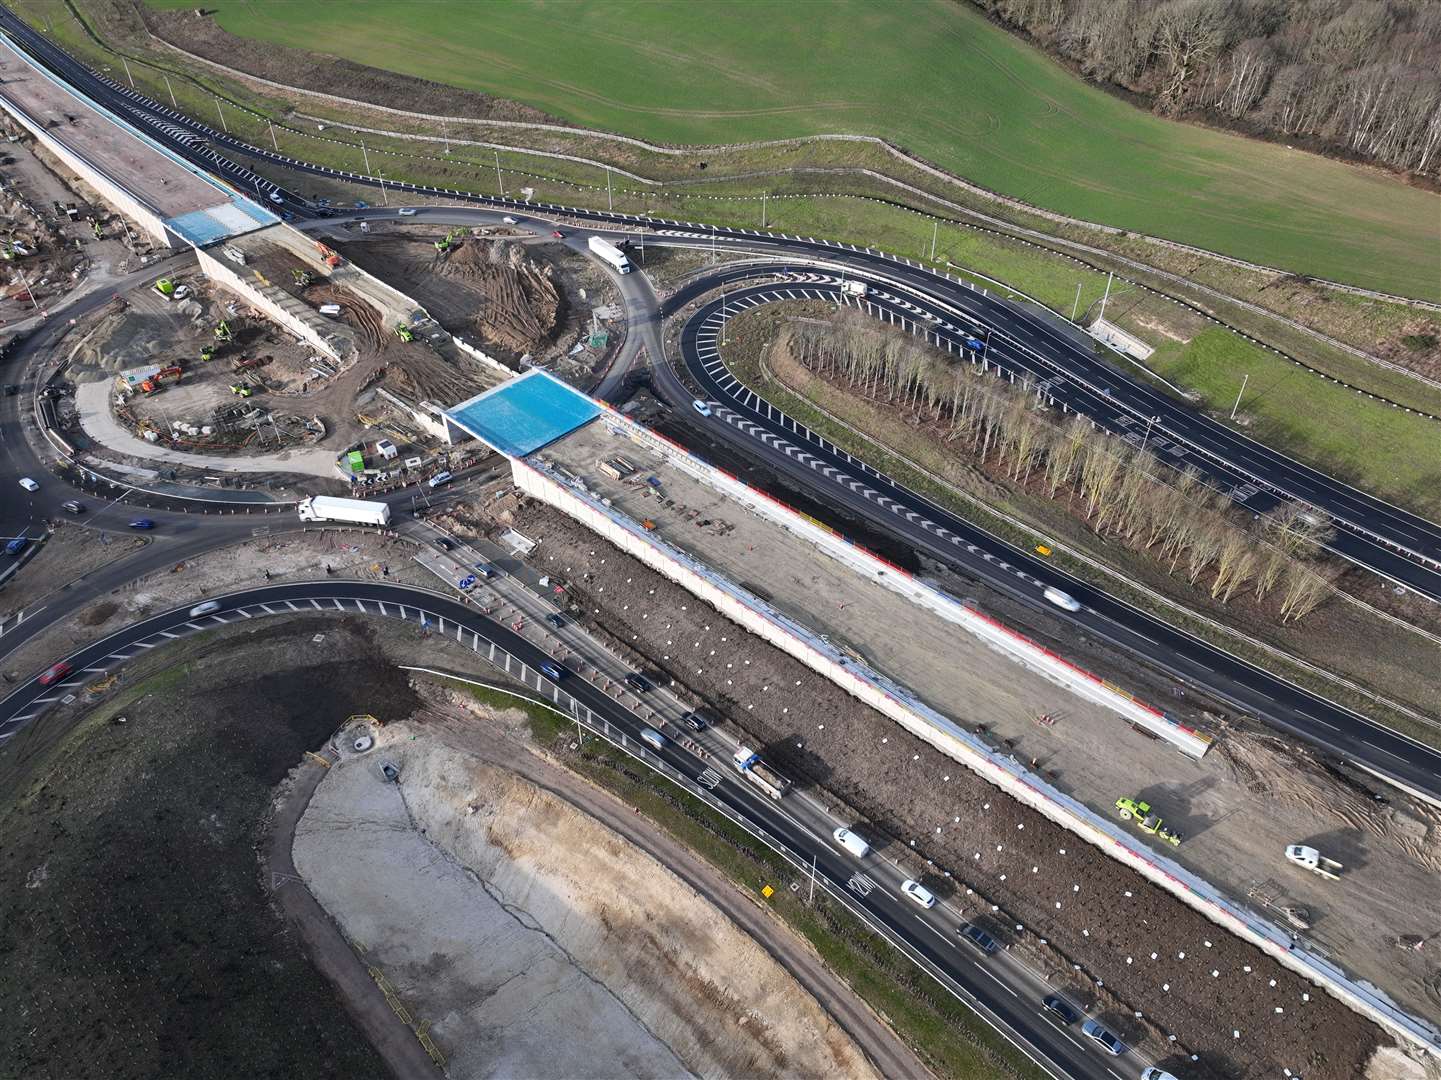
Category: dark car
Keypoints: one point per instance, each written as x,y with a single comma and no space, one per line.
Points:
979,938
555,620
55,674
73,506
637,682
11,389
16,546
1060,1009
142,523
444,544
696,721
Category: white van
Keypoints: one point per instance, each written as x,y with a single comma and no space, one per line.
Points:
1061,599
654,737
851,842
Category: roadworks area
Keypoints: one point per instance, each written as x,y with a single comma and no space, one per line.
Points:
536,941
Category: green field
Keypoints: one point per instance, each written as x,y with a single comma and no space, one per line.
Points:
930,75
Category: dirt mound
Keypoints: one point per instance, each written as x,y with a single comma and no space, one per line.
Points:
521,302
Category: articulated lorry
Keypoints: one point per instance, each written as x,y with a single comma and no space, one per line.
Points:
353,511
610,253
749,764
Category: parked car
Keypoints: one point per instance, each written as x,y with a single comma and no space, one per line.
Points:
637,682
406,211
1098,1033
73,506
979,938
142,523
205,608
16,546
1060,1009
55,674
439,478
919,893
28,484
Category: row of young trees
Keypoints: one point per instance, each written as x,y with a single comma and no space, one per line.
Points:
1362,76
1125,493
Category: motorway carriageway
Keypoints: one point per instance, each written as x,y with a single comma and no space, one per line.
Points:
829,473
999,988
1393,542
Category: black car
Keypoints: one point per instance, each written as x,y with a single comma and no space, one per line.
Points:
696,721
637,682
555,620
1061,1009
445,544
11,389
979,938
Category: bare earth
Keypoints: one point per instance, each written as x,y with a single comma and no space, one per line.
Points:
538,942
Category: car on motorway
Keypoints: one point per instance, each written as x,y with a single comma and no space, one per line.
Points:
557,234
1063,600
442,477
701,407
637,682
276,197
975,344
406,211
11,389
16,546
28,484
851,842
55,673
510,220
1103,1037
205,608
979,938
555,620
1150,1072
696,720
445,543
654,737
1060,1009
73,506
918,893
551,670
142,523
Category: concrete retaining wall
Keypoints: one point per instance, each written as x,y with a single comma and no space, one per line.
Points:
221,271
925,723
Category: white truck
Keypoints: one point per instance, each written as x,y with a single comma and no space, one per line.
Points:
603,248
854,288
353,511
749,764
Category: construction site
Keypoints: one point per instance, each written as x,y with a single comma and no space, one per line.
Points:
1228,814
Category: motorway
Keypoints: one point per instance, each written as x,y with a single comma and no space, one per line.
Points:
1001,989
1392,542
1019,339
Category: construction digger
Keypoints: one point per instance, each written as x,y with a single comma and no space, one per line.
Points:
240,390
328,255
403,332
444,245
300,277
207,352
223,332
1147,820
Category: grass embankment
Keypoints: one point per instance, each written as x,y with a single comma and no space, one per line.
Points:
938,79
950,1038
1338,638
1295,413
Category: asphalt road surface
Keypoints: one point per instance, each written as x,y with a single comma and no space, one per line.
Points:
1003,991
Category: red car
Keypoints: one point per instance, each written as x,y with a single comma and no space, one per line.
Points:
56,673
558,234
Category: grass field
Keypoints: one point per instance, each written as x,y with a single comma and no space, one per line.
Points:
931,75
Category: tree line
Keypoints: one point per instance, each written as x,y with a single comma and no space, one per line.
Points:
1360,78
1123,492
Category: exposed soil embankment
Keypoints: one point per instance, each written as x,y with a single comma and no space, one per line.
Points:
537,941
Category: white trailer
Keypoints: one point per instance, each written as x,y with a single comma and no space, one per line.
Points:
749,764
854,288
353,511
603,248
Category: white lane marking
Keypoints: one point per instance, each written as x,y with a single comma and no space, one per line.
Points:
145,644
44,700
993,979
933,930
1316,719
95,670
266,608
1383,750
167,633
243,612
316,603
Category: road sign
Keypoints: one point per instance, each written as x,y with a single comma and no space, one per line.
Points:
767,892
467,582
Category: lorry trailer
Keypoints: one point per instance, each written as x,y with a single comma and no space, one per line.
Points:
749,764
353,511
603,248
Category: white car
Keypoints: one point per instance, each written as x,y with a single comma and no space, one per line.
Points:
439,478
701,407
1098,1033
205,608
919,893
1150,1072
406,211
275,196
1063,600
28,484
510,220
851,842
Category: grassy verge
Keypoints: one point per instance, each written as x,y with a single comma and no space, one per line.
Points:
1338,638
817,189
950,1038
